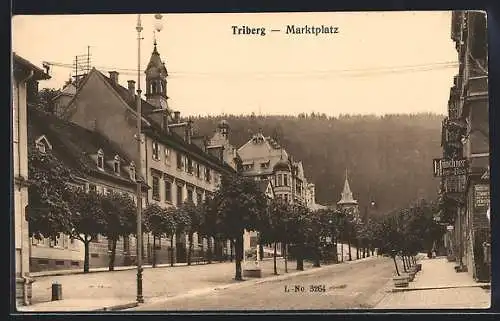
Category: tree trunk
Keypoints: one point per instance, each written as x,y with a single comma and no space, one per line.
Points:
396,265
317,261
190,249
113,254
154,251
357,250
172,250
368,251
86,262
231,256
274,259
404,263
300,259
342,251
261,251
285,250
349,245
364,252
209,249
373,251
239,256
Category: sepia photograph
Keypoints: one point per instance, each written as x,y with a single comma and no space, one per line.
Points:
297,161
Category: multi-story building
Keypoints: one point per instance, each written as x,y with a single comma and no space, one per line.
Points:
263,158
465,136
96,165
176,164
24,75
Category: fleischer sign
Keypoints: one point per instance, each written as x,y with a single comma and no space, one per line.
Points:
449,167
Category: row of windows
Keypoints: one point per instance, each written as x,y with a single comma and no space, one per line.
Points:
169,194
264,165
60,241
182,162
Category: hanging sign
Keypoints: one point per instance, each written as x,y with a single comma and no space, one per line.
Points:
449,167
481,195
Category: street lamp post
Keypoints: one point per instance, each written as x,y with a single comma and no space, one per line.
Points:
140,298
158,27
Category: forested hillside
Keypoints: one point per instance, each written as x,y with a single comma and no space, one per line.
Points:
389,158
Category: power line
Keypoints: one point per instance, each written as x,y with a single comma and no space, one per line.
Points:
322,73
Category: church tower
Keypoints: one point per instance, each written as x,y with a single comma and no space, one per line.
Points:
156,81
347,200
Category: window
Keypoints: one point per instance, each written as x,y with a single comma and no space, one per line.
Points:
198,170
156,151
264,165
132,171
179,195
167,155
100,159
116,164
207,174
285,179
199,197
286,198
190,166
156,188
190,195
179,161
92,188
41,147
168,191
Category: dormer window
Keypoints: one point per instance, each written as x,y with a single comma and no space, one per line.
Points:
100,159
132,171
42,144
156,151
116,164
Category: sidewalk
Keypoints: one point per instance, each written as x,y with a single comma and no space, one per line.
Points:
438,286
117,289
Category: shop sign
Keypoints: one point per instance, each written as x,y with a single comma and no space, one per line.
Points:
481,195
449,167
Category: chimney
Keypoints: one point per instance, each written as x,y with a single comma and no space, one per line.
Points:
113,75
131,87
189,131
177,117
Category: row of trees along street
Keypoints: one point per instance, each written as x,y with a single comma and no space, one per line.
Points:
56,206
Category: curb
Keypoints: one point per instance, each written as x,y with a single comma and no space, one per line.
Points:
482,286
118,307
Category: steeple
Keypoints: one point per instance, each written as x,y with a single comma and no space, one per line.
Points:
156,80
346,196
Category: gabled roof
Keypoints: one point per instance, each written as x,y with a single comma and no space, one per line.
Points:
39,74
153,128
75,146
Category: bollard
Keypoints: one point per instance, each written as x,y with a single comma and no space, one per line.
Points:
56,291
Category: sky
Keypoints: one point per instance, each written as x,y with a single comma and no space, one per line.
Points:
377,63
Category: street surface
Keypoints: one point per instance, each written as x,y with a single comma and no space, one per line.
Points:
352,285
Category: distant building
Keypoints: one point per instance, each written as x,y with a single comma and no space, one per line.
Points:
347,200
263,158
177,165
24,75
96,165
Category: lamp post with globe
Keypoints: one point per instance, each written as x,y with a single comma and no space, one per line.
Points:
139,28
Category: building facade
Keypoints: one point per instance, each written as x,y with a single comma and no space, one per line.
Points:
177,165
96,165
465,136
24,74
263,158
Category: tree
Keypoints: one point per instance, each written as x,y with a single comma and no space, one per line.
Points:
208,224
195,214
300,228
154,222
46,99
240,205
87,219
182,222
48,195
119,213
